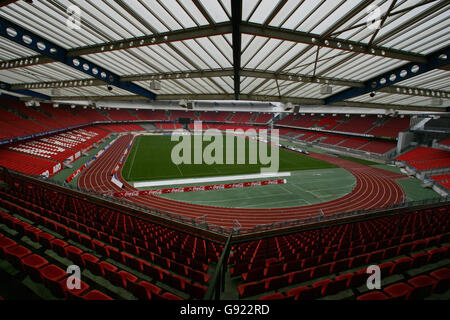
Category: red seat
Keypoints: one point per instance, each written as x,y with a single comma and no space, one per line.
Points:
154,272
401,265
422,287
32,264
33,233
198,291
436,255
15,254
96,295
5,243
321,271
295,291
251,289
375,295
59,246
106,266
442,277
420,259
275,283
330,287
52,275
273,296
45,239
310,293
74,293
127,278
398,291
254,274
74,254
92,263
385,268
144,290
170,296
300,276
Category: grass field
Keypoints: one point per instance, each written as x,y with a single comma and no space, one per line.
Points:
150,159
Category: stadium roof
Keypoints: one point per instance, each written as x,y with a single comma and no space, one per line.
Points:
259,50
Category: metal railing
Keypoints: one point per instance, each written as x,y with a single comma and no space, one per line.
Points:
237,229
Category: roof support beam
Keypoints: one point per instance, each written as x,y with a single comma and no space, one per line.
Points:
328,42
236,20
80,83
161,38
434,60
301,101
32,41
7,87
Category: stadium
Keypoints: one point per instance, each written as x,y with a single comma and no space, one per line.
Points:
225,150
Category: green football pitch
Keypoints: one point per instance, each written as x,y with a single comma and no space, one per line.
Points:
150,159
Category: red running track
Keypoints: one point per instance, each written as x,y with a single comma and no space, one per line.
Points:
375,188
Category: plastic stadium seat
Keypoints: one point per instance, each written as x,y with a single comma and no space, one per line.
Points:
15,254
292,265
251,289
254,275
197,291
107,267
309,293
74,254
5,243
96,295
442,277
420,259
385,268
436,255
31,265
92,263
273,296
334,286
152,271
401,265
275,283
144,290
52,276
321,271
375,295
422,287
59,246
170,296
340,265
45,239
398,291
274,270
300,276
114,253
74,293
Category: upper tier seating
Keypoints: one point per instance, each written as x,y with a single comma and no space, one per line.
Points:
424,158
121,115
357,124
151,115
442,179
445,142
47,153
391,127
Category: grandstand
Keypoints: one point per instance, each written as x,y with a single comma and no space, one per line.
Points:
224,150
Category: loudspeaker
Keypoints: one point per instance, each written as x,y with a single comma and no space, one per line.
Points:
296,109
